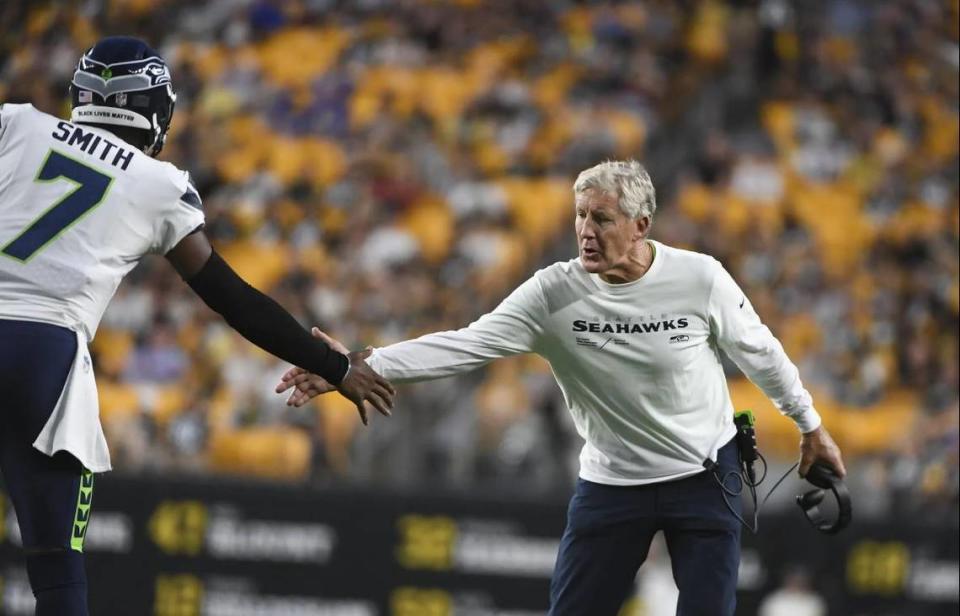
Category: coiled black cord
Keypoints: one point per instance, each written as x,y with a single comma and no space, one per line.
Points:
744,477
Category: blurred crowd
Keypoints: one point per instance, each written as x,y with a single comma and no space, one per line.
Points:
386,169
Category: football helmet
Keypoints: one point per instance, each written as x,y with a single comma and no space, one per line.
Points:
121,81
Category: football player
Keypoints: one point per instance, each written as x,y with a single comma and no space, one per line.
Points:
81,202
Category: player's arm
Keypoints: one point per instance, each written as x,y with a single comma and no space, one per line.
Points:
514,327
262,321
758,353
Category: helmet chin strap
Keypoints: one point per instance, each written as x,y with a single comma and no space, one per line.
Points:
159,139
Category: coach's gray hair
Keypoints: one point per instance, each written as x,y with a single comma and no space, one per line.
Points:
625,178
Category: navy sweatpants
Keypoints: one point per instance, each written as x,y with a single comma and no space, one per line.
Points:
35,360
608,534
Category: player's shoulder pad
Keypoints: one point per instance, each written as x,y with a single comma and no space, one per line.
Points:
177,184
191,196
9,111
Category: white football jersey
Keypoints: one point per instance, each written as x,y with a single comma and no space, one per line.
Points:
79,207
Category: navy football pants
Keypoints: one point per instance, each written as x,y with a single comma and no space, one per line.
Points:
608,534
35,360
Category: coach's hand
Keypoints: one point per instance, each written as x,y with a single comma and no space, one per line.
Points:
306,385
360,385
818,446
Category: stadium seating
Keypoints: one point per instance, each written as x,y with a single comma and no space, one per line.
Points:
384,177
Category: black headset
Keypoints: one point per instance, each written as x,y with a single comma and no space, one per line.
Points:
824,478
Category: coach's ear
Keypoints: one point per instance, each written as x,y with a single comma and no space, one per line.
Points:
642,228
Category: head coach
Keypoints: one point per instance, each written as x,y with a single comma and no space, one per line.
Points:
633,331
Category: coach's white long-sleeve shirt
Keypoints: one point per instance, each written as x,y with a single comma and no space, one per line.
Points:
638,363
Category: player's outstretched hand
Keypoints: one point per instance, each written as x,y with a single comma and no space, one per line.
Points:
360,385
819,446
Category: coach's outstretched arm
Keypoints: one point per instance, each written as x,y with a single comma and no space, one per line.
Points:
510,329
755,350
266,324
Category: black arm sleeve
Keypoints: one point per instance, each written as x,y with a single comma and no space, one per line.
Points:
263,321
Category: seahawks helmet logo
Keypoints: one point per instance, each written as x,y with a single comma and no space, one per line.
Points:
159,73
108,80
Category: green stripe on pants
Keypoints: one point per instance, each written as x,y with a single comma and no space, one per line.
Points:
80,520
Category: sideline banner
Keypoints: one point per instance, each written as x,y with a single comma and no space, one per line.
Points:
223,548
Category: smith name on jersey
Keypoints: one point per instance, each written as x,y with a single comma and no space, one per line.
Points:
79,207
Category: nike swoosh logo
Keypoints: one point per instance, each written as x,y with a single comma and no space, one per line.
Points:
742,302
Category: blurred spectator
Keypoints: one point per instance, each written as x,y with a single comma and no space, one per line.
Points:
158,358
794,597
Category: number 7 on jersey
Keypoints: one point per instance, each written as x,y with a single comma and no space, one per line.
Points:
92,186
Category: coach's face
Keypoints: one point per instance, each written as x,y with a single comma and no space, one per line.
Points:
608,240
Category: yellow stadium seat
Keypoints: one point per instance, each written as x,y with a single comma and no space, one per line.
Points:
445,92
916,220
734,213
628,130
430,221
269,452
800,335
118,400
832,212
220,415
338,418
874,429
324,161
890,145
83,32
707,38
314,259
260,264
285,158
490,157
550,90
778,119
209,61
315,50
696,201
112,348
333,220
246,150
237,166
39,20
555,132
487,60
522,203
167,402
941,128
539,207
578,24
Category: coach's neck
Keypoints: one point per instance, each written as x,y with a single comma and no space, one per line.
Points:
634,264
